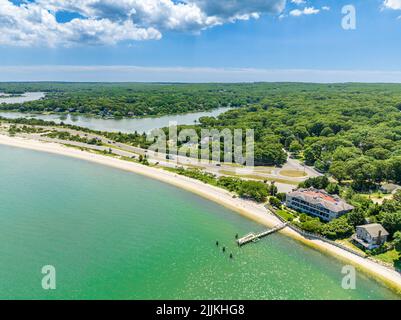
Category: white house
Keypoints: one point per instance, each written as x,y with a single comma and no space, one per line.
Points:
370,236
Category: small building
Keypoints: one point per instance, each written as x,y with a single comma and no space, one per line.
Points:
390,188
370,236
317,203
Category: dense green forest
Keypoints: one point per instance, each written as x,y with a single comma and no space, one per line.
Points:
352,131
130,99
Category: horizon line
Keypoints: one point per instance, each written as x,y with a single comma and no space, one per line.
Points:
179,74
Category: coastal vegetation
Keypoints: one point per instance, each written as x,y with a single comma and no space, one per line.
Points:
30,125
71,137
254,190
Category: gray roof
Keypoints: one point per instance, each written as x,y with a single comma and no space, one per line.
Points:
322,198
373,229
390,187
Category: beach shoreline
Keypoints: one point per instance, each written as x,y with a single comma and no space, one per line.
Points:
248,209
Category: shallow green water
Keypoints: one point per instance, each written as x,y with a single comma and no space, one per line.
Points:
111,234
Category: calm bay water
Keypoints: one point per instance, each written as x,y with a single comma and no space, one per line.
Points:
112,234
26,97
126,125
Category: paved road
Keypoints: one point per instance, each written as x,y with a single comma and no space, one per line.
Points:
134,152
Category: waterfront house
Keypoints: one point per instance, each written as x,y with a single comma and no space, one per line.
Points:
317,203
370,236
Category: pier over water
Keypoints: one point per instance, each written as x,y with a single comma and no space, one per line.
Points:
252,237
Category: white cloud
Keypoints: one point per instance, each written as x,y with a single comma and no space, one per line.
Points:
305,11
111,21
392,4
298,2
230,9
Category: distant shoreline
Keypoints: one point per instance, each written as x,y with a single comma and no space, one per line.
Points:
96,116
248,209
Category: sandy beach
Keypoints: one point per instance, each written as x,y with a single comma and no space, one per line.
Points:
246,208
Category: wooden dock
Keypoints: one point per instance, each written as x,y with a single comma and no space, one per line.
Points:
252,237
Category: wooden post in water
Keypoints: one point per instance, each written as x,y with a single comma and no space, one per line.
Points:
224,249
217,243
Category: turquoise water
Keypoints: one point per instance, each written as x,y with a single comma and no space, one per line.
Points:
112,234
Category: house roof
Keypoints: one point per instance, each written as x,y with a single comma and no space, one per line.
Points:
322,198
390,187
374,229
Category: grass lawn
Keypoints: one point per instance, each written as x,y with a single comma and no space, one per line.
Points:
377,197
293,173
392,257
349,244
266,170
235,165
256,177
285,215
249,176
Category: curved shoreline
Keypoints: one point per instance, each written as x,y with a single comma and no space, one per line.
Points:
248,209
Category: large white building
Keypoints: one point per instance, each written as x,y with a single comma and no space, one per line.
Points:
317,203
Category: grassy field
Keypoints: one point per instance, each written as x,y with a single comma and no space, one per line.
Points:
234,174
266,170
285,215
392,257
293,173
349,244
256,177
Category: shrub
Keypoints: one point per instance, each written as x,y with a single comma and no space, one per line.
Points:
275,202
337,229
312,225
281,196
356,217
317,183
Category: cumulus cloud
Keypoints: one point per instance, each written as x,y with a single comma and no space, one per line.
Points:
109,21
229,9
305,11
393,4
298,1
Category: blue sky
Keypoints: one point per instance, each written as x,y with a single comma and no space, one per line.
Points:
219,44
